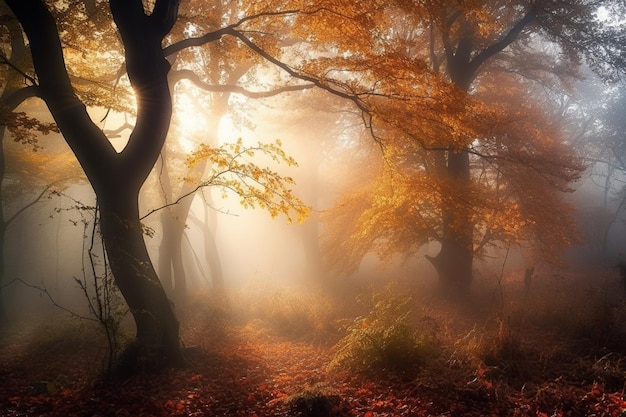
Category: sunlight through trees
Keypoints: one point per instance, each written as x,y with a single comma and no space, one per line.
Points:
477,144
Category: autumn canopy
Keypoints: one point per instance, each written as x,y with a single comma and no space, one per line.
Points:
462,148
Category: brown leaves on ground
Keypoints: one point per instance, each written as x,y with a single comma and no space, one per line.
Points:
250,377
251,372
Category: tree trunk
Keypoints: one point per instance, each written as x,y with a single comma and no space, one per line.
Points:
454,261
463,62
165,253
10,100
177,224
211,251
171,265
157,326
117,178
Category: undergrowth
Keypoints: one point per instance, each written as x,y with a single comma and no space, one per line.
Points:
207,318
581,312
296,315
384,339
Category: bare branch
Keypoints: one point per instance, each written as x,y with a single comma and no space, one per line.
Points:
233,88
44,290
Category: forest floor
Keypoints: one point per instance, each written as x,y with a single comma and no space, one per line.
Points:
560,353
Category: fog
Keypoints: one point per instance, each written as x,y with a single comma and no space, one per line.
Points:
253,277
345,278
47,244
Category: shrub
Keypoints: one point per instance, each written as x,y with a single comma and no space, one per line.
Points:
493,351
384,339
505,351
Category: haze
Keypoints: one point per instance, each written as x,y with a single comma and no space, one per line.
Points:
386,211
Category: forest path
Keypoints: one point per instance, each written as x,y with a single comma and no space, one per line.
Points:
248,371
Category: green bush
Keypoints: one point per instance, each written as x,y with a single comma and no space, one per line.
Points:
384,339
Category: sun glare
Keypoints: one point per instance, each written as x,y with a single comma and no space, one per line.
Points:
190,120
227,131
189,115
186,144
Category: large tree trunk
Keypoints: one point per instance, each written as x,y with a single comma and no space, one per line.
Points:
454,261
462,63
117,178
157,326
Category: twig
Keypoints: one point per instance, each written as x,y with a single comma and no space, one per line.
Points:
44,290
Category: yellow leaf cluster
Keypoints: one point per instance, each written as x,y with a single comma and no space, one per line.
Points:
233,172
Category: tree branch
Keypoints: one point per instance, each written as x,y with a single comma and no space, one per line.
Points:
233,88
147,70
17,97
164,15
44,290
91,147
213,36
344,92
505,41
27,206
8,62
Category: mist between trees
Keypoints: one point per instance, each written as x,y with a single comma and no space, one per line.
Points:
151,152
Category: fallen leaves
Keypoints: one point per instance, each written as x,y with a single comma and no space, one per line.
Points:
247,376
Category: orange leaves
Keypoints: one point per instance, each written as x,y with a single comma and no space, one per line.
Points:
176,406
416,73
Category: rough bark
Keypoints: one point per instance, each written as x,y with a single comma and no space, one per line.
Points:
157,326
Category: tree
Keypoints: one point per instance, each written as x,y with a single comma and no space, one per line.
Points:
117,177
213,82
601,144
451,92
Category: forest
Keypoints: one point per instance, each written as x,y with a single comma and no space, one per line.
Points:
322,208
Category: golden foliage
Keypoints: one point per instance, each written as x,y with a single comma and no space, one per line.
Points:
25,129
232,171
417,74
519,171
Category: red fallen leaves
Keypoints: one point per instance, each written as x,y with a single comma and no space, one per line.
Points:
248,377
605,404
175,405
